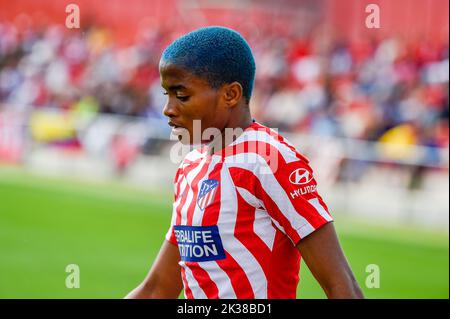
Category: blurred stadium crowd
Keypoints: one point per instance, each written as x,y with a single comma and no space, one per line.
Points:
370,109
372,90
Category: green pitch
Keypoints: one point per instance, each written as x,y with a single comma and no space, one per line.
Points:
113,234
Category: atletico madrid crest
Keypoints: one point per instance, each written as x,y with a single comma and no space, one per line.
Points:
207,193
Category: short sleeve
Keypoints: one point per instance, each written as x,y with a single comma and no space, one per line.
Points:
170,235
289,194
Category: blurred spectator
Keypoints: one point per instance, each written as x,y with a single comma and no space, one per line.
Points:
365,90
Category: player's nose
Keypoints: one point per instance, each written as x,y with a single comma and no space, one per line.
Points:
169,110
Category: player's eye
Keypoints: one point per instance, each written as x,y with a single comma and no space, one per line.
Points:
183,98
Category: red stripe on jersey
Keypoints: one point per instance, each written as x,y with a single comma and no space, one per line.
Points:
178,208
283,286
175,195
268,152
211,213
188,162
185,172
241,285
194,190
271,207
205,282
172,238
301,205
181,203
310,213
189,166
323,204
244,232
279,138
278,286
175,180
234,271
187,290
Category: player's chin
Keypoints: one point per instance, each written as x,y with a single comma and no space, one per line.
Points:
183,135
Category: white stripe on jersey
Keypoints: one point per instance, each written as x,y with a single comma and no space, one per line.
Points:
262,136
198,213
315,202
193,156
220,278
249,198
271,186
262,225
197,291
263,228
217,275
190,197
234,247
185,207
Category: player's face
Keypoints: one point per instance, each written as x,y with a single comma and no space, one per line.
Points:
190,98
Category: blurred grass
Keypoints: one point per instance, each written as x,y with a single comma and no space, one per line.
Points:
113,233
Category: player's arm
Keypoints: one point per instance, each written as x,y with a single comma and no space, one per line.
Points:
164,277
323,255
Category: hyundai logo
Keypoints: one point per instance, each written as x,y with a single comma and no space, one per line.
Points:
300,176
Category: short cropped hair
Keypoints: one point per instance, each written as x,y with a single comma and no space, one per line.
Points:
216,54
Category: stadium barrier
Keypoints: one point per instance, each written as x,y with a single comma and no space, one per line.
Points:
380,182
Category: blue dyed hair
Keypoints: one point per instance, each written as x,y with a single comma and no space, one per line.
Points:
216,54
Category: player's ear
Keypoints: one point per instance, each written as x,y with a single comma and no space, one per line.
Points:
232,94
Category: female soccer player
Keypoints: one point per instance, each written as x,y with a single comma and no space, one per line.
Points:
246,206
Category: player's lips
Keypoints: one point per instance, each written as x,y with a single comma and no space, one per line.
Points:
174,125
176,128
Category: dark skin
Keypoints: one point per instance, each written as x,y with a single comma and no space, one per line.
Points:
191,98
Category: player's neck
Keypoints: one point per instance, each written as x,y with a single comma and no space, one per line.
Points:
237,125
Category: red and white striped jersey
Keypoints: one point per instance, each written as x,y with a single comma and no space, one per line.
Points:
238,215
